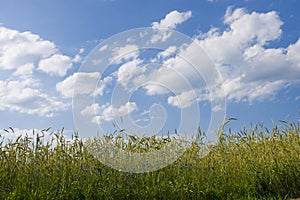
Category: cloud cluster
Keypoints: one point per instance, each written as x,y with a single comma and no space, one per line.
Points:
108,112
19,50
251,70
172,19
23,97
22,55
183,100
170,22
82,83
56,65
174,74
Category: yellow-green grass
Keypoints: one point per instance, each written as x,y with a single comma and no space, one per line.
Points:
250,164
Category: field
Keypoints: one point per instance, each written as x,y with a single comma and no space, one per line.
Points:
256,163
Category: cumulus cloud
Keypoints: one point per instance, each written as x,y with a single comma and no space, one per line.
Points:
250,69
25,70
18,49
93,109
84,83
108,112
177,74
172,19
24,49
56,65
21,90
238,90
293,54
244,31
173,75
183,100
129,70
23,97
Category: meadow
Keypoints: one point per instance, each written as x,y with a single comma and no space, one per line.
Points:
254,163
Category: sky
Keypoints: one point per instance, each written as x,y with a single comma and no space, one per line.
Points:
205,60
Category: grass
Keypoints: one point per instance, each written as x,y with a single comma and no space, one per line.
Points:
250,164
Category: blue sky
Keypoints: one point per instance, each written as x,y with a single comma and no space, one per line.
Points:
254,44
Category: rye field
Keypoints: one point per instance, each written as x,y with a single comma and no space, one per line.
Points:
255,163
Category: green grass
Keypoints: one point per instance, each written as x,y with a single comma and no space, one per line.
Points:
250,164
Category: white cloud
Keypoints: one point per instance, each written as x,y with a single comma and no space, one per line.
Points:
244,30
174,75
85,84
231,16
183,100
102,86
25,49
128,70
25,70
103,48
161,36
56,65
293,53
108,112
18,49
123,54
169,51
77,59
238,90
265,90
177,75
121,111
217,108
23,97
167,78
260,27
21,53
92,109
251,71
172,19
81,50
157,88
